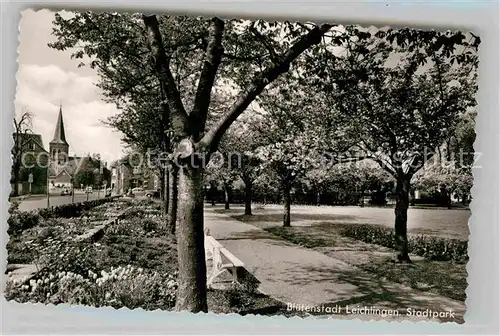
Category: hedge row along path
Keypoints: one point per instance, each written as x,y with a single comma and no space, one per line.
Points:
302,276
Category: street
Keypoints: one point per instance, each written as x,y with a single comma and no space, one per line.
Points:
41,202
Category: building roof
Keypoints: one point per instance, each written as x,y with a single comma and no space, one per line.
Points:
62,172
72,166
28,137
59,133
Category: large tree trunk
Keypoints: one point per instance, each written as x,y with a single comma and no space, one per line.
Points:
172,199
287,201
464,198
401,221
412,197
162,184
227,192
318,198
192,267
192,291
167,189
248,197
444,197
213,194
164,194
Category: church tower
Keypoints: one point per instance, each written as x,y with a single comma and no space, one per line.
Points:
59,147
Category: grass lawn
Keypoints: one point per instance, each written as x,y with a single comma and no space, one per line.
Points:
443,278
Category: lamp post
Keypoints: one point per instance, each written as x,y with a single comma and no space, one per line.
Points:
72,190
30,181
48,184
98,178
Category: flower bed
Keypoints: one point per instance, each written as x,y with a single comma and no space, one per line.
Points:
123,286
133,265
39,240
39,236
432,248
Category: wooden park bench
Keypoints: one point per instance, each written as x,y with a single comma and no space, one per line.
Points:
222,259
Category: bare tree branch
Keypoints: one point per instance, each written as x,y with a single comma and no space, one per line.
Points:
266,42
372,154
211,64
244,58
162,66
213,136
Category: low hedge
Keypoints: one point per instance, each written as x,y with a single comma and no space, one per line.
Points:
19,221
432,248
72,209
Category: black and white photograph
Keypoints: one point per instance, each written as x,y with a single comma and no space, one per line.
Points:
201,164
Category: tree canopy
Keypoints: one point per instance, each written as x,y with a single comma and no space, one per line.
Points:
182,82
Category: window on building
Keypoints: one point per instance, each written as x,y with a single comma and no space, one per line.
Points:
32,146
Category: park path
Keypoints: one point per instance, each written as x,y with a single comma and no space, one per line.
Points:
302,276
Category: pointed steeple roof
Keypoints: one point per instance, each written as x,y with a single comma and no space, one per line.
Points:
59,134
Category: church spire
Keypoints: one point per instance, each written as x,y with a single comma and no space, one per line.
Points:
59,134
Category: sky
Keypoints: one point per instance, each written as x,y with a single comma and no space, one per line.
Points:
47,78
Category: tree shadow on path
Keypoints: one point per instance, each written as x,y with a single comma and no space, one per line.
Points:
378,293
296,217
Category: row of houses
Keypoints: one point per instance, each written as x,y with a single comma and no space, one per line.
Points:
125,177
39,165
56,169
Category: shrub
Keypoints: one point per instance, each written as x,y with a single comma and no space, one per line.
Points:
46,232
14,205
23,220
145,202
149,225
72,209
19,252
433,248
132,213
20,221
